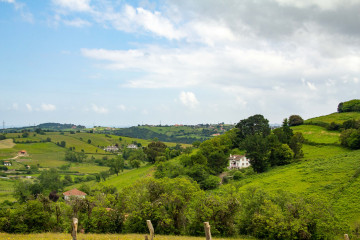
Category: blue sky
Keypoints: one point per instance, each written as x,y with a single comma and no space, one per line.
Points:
123,63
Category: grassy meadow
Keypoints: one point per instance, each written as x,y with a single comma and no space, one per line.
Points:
318,134
335,117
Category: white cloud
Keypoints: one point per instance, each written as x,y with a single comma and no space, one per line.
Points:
188,99
121,107
29,107
99,109
311,86
47,107
21,8
77,23
74,5
15,106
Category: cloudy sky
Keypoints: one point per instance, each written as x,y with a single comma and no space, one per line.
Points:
121,63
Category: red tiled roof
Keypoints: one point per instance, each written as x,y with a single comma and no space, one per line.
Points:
74,192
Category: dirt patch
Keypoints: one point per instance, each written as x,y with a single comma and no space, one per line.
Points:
7,143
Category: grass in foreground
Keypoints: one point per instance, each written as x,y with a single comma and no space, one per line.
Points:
66,236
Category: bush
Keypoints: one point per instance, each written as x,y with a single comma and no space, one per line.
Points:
295,120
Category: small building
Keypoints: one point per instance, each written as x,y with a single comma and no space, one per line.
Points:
22,153
132,146
27,167
111,149
74,193
7,163
238,162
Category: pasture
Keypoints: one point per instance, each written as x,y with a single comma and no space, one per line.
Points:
318,134
7,143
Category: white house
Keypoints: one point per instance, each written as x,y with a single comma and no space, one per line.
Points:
7,163
73,193
111,149
132,146
238,162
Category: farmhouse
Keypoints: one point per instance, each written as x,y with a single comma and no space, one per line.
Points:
111,149
238,162
22,153
74,193
132,146
7,163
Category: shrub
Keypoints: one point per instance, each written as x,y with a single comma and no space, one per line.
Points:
295,120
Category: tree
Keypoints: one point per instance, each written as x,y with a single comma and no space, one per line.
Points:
295,120
155,149
350,138
257,150
117,164
50,180
196,144
63,144
89,141
215,151
296,143
22,190
253,125
135,163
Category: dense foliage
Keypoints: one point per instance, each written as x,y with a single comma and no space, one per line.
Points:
295,120
178,206
349,106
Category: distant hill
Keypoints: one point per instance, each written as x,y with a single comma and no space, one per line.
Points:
59,126
47,126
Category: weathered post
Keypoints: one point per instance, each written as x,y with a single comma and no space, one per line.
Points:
207,230
346,237
74,227
151,229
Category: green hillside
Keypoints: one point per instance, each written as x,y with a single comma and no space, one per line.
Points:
334,117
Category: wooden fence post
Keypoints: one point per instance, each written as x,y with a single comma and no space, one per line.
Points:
346,237
207,230
74,227
151,229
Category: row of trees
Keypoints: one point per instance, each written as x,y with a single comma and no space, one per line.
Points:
178,206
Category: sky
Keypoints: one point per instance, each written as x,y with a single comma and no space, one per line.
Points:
124,63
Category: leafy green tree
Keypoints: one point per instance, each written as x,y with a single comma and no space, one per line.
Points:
196,144
63,144
257,150
135,163
254,125
50,180
117,164
89,141
350,138
295,120
154,150
22,190
296,143
216,152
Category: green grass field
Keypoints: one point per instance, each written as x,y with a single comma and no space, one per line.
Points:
325,172
318,134
335,117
